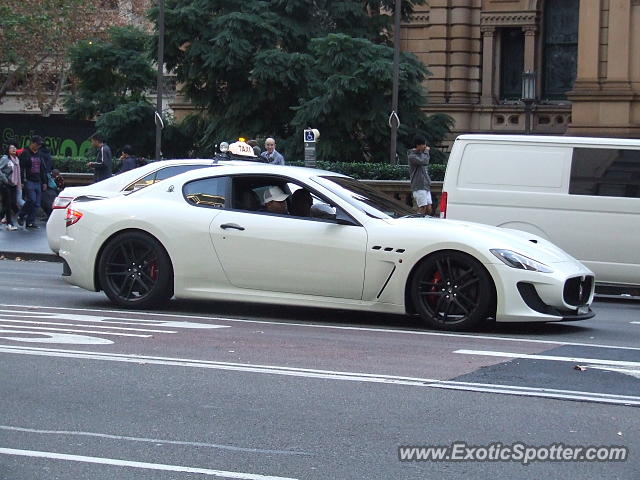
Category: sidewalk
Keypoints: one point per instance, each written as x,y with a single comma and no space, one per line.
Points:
26,244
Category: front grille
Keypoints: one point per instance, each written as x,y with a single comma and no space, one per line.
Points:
577,290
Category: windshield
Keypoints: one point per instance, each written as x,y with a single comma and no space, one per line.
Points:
365,198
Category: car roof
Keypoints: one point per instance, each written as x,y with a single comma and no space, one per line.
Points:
250,168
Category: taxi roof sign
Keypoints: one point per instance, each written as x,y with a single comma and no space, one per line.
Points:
241,149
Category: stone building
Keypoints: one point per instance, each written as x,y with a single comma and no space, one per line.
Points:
580,53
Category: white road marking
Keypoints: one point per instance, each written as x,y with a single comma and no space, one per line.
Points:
83,326
338,327
48,337
74,330
103,319
330,375
580,360
634,372
142,465
151,440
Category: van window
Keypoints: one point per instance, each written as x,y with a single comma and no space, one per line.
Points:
605,172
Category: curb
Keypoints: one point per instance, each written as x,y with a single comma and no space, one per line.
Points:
31,256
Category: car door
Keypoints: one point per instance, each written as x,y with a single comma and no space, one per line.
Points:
283,253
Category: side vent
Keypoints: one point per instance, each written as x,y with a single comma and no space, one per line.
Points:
388,249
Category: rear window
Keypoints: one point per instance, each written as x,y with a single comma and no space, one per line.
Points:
605,172
162,174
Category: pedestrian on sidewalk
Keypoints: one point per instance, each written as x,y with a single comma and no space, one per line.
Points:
34,179
102,165
420,181
129,161
9,179
271,155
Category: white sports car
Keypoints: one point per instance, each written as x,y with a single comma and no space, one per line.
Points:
208,234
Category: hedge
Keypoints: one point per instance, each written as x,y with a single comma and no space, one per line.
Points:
362,171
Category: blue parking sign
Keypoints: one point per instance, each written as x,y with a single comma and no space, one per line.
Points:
309,136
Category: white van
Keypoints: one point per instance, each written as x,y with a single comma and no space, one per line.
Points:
583,194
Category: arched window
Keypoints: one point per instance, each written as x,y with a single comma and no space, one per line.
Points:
560,48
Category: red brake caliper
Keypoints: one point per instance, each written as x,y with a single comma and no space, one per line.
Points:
153,270
433,299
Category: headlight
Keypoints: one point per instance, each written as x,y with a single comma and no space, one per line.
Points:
516,260
224,147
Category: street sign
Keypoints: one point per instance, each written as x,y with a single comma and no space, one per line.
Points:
310,135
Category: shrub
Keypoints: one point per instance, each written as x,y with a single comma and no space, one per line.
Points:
362,171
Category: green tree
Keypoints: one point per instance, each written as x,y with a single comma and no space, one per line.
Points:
112,77
110,72
270,68
34,38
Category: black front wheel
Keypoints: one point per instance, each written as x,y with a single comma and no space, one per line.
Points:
135,271
452,291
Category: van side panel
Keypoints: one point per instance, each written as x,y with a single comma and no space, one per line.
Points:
514,168
526,187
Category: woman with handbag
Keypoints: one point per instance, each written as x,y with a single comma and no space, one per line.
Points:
9,182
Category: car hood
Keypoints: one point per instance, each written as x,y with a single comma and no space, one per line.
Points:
488,236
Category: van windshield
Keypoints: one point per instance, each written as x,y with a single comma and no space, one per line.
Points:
364,197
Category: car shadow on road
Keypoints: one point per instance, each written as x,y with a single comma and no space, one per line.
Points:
327,316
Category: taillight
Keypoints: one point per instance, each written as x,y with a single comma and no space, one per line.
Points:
72,216
443,205
61,202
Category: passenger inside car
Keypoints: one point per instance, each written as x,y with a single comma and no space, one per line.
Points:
300,203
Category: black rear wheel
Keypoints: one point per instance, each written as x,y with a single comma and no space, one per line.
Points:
135,271
452,291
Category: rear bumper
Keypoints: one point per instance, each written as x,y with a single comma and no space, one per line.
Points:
79,258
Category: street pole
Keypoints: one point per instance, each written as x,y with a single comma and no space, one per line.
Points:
394,120
158,115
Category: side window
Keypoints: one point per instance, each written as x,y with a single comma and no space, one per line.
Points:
142,182
303,203
207,192
605,172
176,170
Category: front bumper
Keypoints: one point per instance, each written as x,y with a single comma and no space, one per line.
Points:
525,296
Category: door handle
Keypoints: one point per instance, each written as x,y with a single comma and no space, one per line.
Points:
235,226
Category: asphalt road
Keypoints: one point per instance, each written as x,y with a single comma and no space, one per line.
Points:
225,390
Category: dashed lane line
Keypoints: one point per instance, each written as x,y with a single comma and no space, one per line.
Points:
579,360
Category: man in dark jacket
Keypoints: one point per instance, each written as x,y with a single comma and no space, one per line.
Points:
34,178
420,181
102,165
129,162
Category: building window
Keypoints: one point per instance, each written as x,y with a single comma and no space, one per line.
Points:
560,47
605,172
511,63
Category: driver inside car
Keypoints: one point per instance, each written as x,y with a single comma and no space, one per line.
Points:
275,200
